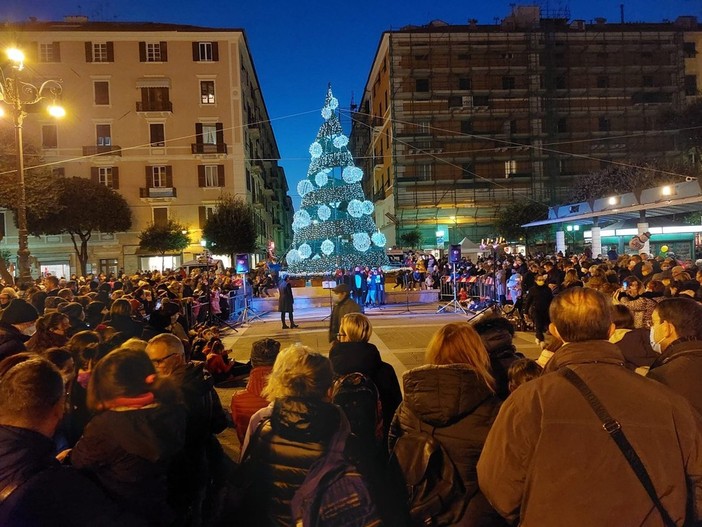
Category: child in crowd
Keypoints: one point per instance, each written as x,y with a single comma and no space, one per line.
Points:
521,371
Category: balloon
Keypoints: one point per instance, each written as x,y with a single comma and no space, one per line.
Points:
664,249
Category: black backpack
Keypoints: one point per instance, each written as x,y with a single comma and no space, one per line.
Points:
357,395
435,491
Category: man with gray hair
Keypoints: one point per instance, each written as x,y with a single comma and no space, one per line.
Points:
591,442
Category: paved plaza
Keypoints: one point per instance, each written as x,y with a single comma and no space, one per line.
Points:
401,333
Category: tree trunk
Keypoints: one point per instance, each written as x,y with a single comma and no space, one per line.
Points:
82,251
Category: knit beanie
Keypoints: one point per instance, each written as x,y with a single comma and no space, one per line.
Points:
18,312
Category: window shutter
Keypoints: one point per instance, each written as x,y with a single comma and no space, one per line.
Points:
169,176
220,175
201,176
149,177
215,51
115,178
196,51
142,51
202,216
57,51
88,52
94,174
164,51
220,133
110,52
198,133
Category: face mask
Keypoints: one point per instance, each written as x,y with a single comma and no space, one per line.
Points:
83,378
656,345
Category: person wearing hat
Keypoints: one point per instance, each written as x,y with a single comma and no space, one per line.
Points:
285,302
248,402
17,325
76,315
343,305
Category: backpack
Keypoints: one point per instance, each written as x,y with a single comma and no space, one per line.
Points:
435,490
357,395
334,494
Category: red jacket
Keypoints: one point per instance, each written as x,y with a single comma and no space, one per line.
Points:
248,402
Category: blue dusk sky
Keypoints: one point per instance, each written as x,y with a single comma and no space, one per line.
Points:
299,47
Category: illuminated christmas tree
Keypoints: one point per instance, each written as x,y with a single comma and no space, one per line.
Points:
334,227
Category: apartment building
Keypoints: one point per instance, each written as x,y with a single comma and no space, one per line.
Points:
170,116
457,120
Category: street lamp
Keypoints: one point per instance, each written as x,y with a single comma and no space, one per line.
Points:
17,94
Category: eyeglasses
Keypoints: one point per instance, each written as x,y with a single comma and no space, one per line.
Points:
158,362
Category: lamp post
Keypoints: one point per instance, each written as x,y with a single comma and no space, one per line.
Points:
17,94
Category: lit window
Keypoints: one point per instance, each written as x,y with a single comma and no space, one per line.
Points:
510,168
153,52
205,51
211,177
105,176
49,52
209,134
100,52
207,92
103,134
158,176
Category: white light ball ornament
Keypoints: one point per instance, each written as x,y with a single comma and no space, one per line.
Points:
367,207
321,179
293,256
378,239
326,113
327,247
302,218
315,150
352,174
305,251
340,141
333,103
361,241
304,187
324,212
355,208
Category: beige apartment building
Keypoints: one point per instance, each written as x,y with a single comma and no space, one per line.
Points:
457,120
170,116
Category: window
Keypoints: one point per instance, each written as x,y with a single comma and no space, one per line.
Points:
648,81
155,100
105,176
510,168
153,52
455,101
690,84
424,172
421,85
205,52
103,134
467,127
100,52
101,91
481,100
50,52
204,212
209,134
464,83
160,215
603,81
158,177
604,125
210,176
423,127
689,49
207,92
508,83
561,82
49,136
157,134
562,125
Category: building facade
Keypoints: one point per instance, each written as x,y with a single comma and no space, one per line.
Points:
169,116
456,121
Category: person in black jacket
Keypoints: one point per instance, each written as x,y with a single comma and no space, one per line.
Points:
37,490
536,305
17,324
497,334
286,302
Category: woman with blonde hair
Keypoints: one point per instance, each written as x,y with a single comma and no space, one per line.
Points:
285,439
453,398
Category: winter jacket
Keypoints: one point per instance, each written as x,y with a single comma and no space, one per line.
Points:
248,402
454,400
48,493
129,453
547,461
127,326
346,306
286,300
680,368
537,302
635,346
281,451
12,340
364,357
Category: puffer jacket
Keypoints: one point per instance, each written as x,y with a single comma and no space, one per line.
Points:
281,450
246,403
454,400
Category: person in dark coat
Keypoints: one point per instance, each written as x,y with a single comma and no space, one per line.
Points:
120,318
633,342
677,332
285,302
455,394
343,305
353,353
36,489
17,324
536,305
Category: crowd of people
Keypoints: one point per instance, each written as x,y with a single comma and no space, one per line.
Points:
110,415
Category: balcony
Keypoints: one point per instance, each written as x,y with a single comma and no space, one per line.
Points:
154,106
102,150
207,148
157,192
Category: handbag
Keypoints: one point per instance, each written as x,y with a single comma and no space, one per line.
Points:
614,429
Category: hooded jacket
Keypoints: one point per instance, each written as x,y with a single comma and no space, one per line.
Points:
454,400
48,493
248,402
547,461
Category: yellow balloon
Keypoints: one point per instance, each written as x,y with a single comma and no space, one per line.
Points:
664,249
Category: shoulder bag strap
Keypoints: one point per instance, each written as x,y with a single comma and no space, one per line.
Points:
614,429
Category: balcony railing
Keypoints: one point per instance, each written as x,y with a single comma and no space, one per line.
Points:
110,150
207,148
154,106
157,192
